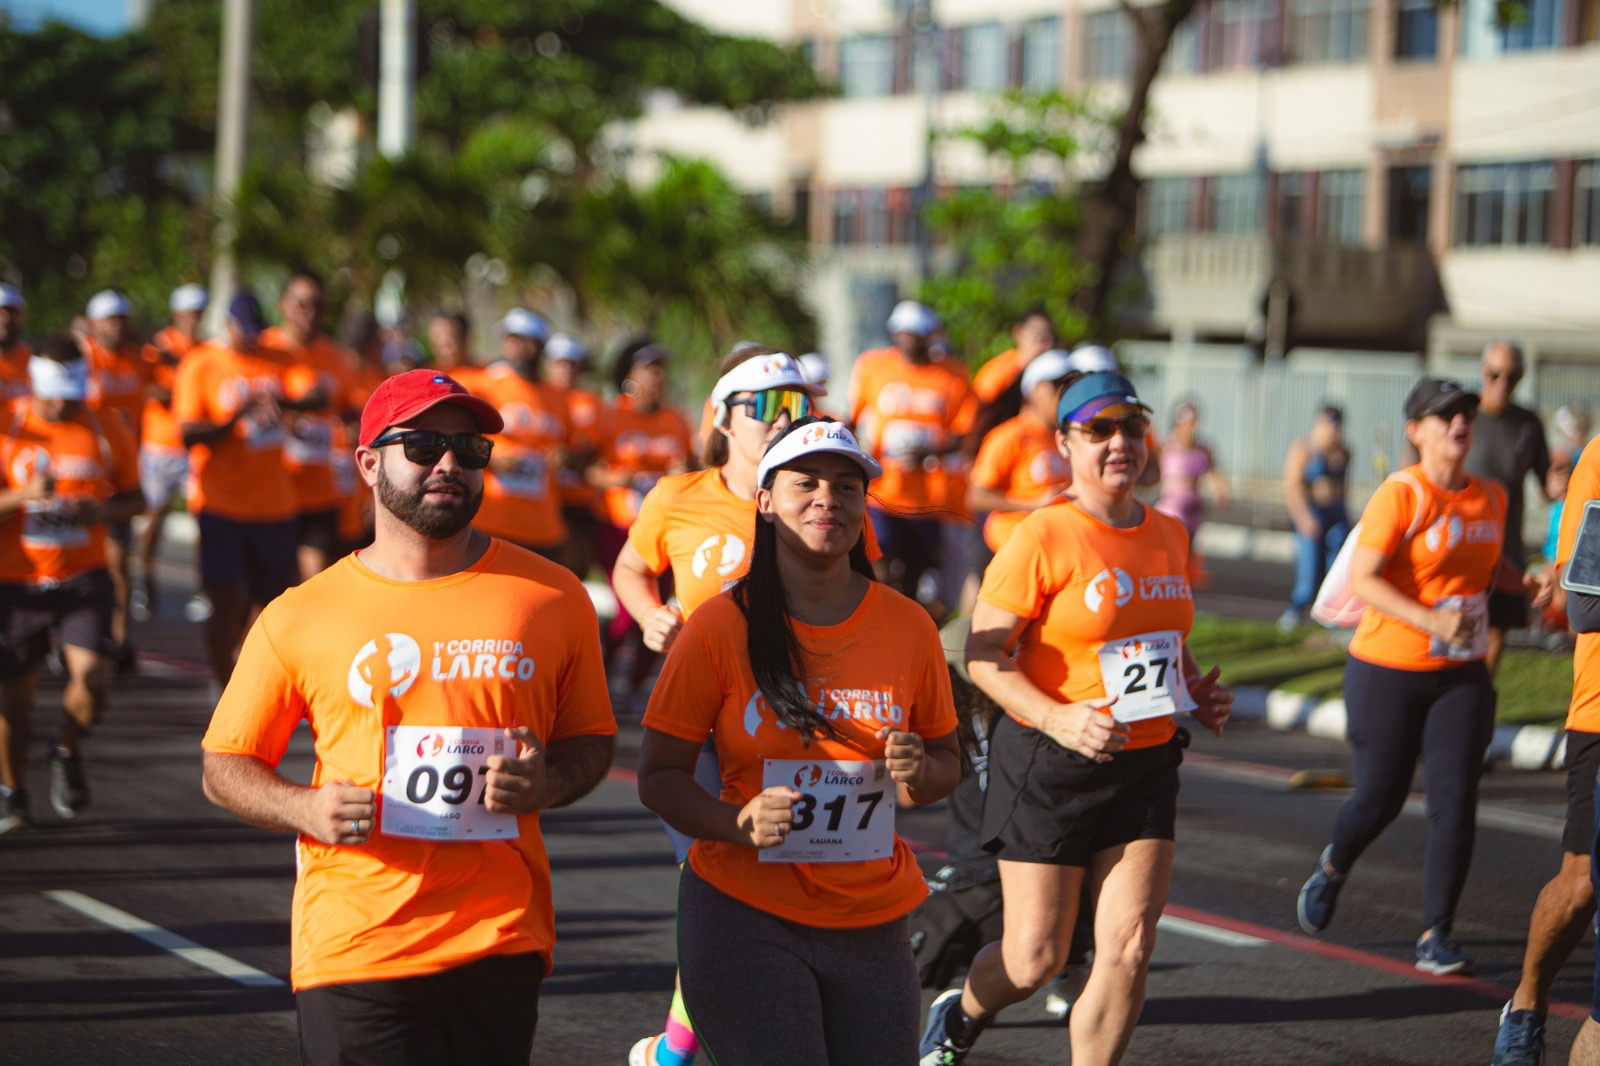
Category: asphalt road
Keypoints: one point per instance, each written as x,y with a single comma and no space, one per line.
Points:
1233,981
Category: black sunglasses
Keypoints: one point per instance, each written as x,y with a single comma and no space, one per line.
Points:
427,446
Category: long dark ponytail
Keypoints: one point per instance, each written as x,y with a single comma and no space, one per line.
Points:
777,659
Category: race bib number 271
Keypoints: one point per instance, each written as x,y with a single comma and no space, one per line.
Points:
1145,673
434,780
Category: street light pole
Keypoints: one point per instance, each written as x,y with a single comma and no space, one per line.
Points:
396,50
233,130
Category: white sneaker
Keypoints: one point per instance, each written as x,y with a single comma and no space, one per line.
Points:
1064,989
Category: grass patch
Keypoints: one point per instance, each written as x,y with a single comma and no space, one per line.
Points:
1215,637
1535,686
1325,683
1271,669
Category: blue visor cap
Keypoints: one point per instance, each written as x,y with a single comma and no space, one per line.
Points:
1093,393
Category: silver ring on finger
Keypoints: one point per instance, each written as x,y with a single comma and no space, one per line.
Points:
355,826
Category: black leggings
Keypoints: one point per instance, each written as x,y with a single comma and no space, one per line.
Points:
1446,717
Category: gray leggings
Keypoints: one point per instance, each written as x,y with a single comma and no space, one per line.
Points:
763,991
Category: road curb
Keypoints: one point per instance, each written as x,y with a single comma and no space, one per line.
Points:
1517,747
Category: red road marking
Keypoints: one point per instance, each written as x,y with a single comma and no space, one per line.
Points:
180,666
619,773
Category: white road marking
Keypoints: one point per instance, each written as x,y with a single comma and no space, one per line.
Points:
188,950
1201,931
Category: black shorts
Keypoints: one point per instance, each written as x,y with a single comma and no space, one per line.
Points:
483,1012
1051,805
120,533
1583,763
1508,610
258,557
319,530
580,520
79,609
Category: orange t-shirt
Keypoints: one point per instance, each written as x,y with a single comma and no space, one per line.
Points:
1453,552
1082,583
89,455
117,380
14,379
523,505
1019,458
1582,486
695,524
864,683
241,476
583,418
511,641
643,445
160,430
900,406
308,448
996,376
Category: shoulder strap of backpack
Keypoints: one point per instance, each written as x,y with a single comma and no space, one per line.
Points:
1421,494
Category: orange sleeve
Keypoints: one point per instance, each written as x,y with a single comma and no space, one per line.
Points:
299,379
261,706
1018,580
992,468
689,692
648,534
189,400
1582,486
583,700
1388,516
856,391
963,404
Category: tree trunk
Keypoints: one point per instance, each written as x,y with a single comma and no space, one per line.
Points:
1111,206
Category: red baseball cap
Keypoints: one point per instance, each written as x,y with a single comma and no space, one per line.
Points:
405,396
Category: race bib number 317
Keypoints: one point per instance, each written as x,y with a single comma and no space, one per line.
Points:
845,812
434,780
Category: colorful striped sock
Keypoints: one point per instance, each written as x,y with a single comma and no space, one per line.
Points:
678,1044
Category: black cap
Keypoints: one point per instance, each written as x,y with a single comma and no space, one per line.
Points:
1430,396
245,310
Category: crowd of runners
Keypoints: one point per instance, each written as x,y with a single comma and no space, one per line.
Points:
392,544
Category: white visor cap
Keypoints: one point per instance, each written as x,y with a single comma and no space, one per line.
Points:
1046,366
1093,359
51,380
521,322
809,440
909,316
815,367
108,303
565,348
777,370
189,298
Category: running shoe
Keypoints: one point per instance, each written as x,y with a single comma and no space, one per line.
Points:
1520,1041
139,605
1318,895
1438,954
939,1047
1064,989
69,789
13,810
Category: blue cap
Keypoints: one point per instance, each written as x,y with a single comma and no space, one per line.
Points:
244,310
1097,391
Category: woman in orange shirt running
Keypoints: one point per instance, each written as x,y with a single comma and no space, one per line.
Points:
700,526
792,937
1079,635
1018,469
1428,554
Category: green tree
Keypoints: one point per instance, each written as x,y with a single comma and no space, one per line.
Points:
90,193
1011,245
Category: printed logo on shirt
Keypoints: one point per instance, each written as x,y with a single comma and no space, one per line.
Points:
834,704
898,398
522,420
1447,530
29,460
1113,580
1165,587
727,551
434,744
385,667
1048,468
808,776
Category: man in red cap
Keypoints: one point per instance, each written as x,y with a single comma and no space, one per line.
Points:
454,685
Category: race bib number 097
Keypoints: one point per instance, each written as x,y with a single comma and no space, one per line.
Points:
845,812
1145,673
434,780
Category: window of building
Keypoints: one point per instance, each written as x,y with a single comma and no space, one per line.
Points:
1504,204
1586,203
866,65
1327,31
873,216
1041,55
1416,31
1341,197
1234,206
1183,53
1410,192
1108,43
1238,34
1540,27
985,55
1294,205
1166,206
